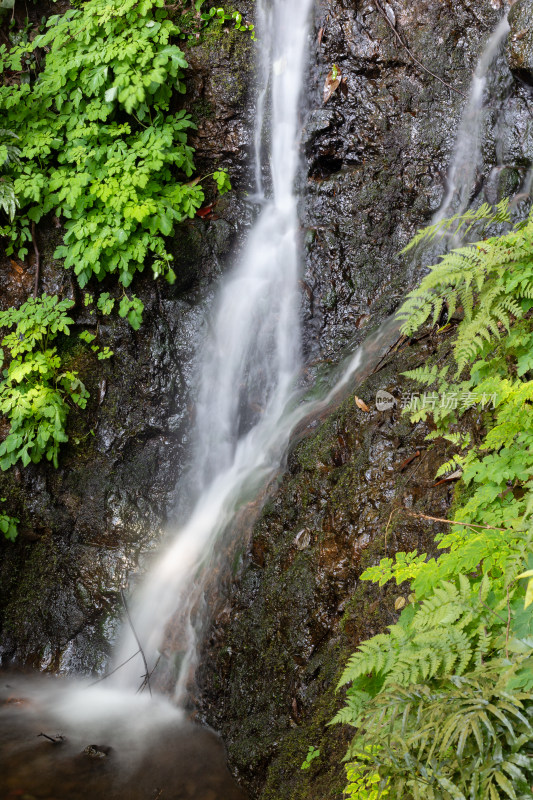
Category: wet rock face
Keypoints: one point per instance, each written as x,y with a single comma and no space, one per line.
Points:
85,525
350,496
520,45
378,151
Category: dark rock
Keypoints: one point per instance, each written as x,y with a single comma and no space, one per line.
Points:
377,158
520,46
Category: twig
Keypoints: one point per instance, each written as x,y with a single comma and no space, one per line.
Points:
147,674
146,679
454,522
37,260
54,739
388,525
415,59
385,355
508,625
99,680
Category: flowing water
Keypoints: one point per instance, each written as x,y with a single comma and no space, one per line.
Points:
467,152
250,364
248,401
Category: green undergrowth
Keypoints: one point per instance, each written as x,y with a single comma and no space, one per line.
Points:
37,390
442,703
102,144
8,524
94,139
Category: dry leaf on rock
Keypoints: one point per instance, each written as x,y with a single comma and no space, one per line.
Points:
333,80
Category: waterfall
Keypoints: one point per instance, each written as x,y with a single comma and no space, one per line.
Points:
248,404
250,363
248,407
466,157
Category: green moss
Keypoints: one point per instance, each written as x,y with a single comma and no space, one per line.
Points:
201,109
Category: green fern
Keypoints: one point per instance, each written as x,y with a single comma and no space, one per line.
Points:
491,280
9,154
440,702
420,739
447,632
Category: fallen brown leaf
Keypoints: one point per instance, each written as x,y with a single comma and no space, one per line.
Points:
453,477
407,461
361,404
206,211
16,267
332,82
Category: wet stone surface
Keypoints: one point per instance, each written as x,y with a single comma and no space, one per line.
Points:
377,153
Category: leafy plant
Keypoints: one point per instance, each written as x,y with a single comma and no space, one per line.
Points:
450,631
442,703
37,391
220,16
9,154
464,737
492,282
99,146
312,753
132,308
89,338
8,525
363,782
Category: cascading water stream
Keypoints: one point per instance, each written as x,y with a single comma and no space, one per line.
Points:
247,405
250,363
466,157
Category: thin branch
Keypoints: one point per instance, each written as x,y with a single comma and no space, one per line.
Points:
58,739
147,673
146,679
388,526
415,59
37,260
99,680
508,625
454,522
